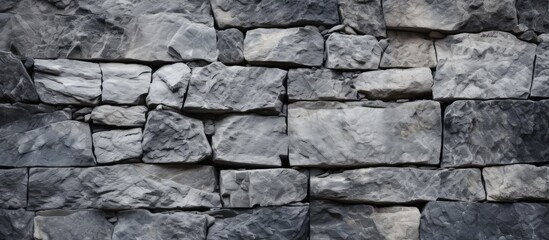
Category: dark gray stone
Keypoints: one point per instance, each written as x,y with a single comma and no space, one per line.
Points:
120,116
277,223
16,224
117,145
349,52
484,221
516,182
540,85
125,83
172,137
534,14
124,186
364,16
230,44
17,111
319,84
274,13
480,133
15,83
169,85
395,83
69,225
408,49
13,188
398,185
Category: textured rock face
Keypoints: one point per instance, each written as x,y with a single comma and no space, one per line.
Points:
16,84
284,223
540,85
194,42
516,182
302,46
336,221
217,88
172,137
64,81
483,66
534,14
119,116
19,111
230,44
117,145
352,52
16,224
267,187
169,85
398,185
451,15
319,84
123,187
395,83
363,16
13,189
478,133
407,49
250,140
125,83
141,224
273,13
64,224
460,220
372,134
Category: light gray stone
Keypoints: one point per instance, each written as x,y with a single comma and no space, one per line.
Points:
273,13
64,81
194,41
398,185
169,85
319,84
483,66
303,46
125,83
516,182
331,221
540,85
117,145
365,17
230,44
124,186
450,15
68,225
119,116
480,133
534,14
408,49
395,83
13,188
276,223
349,52
217,88
142,224
265,187
15,83
170,137
329,134
250,140
16,224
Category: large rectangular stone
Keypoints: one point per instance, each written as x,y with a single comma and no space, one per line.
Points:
330,134
67,224
516,182
13,188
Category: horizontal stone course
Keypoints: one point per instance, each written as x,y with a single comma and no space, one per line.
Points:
516,182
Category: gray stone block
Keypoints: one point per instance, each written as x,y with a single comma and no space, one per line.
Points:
540,84
119,116
319,84
16,224
117,145
13,188
516,182
349,52
16,84
125,83
534,14
169,85
365,17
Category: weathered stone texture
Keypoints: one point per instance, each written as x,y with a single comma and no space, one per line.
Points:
120,116
395,83
117,145
230,44
169,85
16,224
540,84
68,225
408,49
125,83
534,14
319,84
19,111
352,52
16,85
363,16
516,182
13,188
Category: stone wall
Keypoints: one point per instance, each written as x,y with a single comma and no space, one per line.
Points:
270,119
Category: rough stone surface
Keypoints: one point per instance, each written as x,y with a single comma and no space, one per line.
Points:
330,221
274,13
194,42
141,224
266,187
230,44
516,182
540,85
16,224
329,134
123,186
169,85
119,116
365,17
479,133
349,52
172,137
250,140
15,83
461,220
125,83
319,84
64,81
483,66
395,83
277,223
398,185
408,49
68,225
217,88
117,145
451,15
534,14
13,189
303,46
18,111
